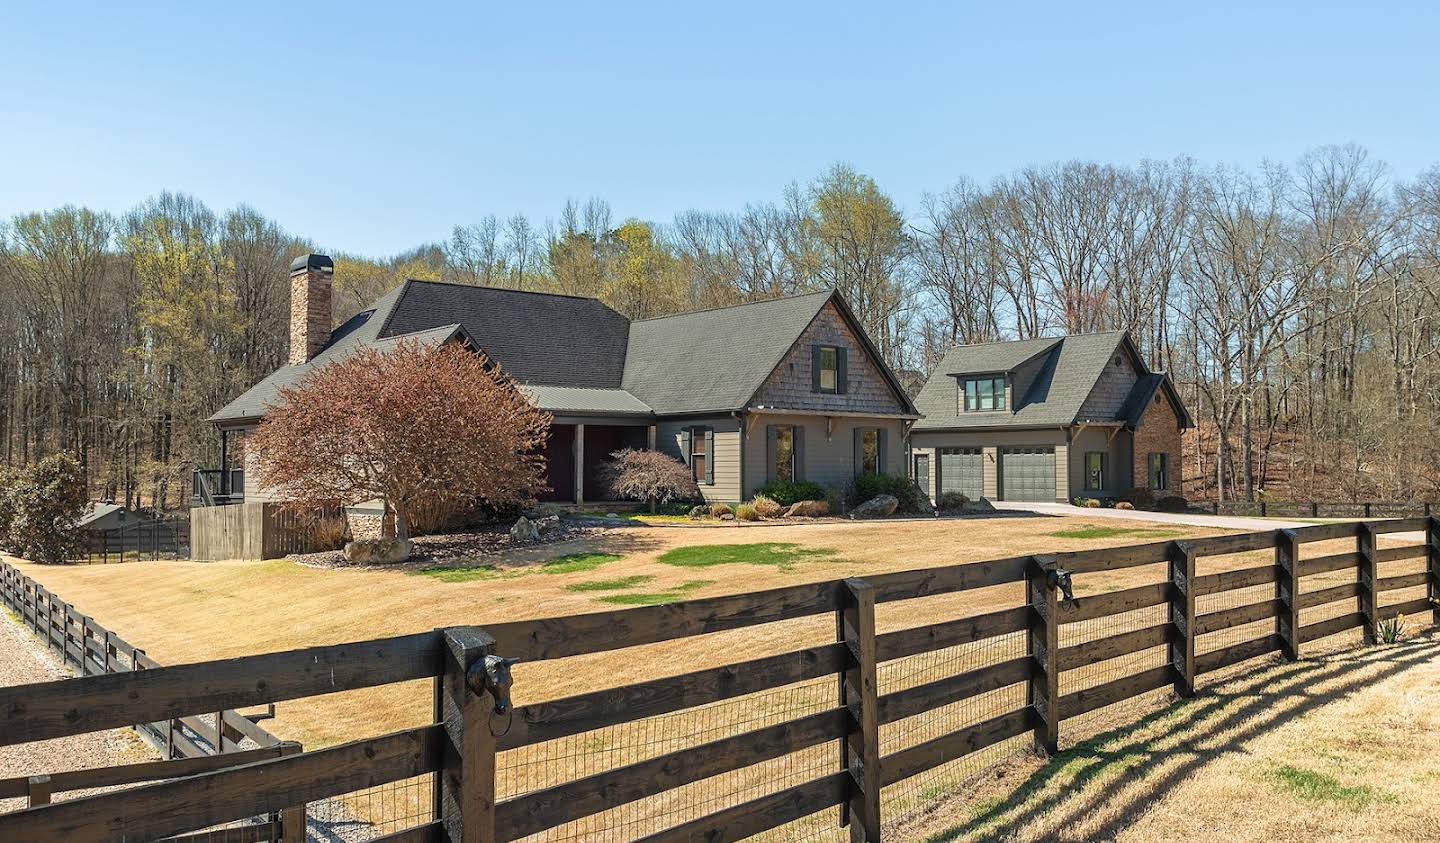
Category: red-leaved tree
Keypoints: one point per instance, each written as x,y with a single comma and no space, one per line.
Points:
416,426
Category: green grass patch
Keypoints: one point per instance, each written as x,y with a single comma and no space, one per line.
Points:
569,564
641,598
782,555
1114,532
1318,787
617,584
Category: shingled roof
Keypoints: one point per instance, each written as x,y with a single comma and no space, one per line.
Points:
576,355
1068,373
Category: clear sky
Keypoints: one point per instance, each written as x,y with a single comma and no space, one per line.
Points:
372,127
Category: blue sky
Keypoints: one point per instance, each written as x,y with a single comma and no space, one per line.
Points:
374,127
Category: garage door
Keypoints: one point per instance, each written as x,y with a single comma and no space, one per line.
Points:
961,470
1027,474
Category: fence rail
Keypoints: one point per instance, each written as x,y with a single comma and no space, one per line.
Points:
463,747
188,742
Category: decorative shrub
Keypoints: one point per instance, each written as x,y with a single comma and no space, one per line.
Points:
1092,503
746,512
903,489
1171,503
719,509
648,475
951,502
767,507
787,492
1124,505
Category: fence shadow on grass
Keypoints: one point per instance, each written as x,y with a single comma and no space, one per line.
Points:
1267,696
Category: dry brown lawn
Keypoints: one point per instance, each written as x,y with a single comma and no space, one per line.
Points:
181,611
1344,746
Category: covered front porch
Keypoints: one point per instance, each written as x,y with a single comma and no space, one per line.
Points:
577,450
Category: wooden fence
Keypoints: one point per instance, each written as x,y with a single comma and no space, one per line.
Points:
462,745
255,530
188,744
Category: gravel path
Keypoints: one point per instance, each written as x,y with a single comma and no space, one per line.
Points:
23,659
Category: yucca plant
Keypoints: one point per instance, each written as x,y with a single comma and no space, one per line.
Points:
1389,631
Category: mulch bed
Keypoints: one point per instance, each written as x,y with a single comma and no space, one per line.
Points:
458,547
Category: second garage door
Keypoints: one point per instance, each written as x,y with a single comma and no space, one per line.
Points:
1027,474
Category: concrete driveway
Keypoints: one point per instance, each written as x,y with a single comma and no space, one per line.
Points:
1220,522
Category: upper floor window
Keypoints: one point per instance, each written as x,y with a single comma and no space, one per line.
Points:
828,365
984,393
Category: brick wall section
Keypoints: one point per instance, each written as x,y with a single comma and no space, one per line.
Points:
866,389
1159,432
309,314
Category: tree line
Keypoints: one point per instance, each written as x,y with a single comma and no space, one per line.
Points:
1294,305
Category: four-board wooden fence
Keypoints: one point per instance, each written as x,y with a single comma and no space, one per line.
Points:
463,745
188,744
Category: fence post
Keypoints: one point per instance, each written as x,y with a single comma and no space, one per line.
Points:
1182,617
861,693
843,701
467,788
1263,508
1369,573
1432,556
292,820
1287,591
1367,509
1314,509
37,791
1044,644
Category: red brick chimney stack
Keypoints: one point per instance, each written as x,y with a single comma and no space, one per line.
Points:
311,279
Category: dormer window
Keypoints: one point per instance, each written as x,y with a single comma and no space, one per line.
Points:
986,393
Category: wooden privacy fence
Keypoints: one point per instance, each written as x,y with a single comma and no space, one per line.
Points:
469,735
188,744
255,530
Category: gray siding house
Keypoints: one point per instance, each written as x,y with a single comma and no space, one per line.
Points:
1048,420
790,388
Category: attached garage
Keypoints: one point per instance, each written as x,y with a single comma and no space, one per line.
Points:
962,470
1027,474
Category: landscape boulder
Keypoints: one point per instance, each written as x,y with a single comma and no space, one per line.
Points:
548,522
877,507
727,516
699,511
982,505
380,551
808,509
525,530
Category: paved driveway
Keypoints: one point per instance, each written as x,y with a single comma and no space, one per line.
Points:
1222,522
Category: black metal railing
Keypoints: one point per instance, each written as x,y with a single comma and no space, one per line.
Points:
211,487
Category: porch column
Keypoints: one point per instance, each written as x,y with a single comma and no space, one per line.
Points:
224,461
650,438
579,463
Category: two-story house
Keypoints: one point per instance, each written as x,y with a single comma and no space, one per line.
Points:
1048,420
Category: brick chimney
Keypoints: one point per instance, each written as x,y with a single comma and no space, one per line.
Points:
310,283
